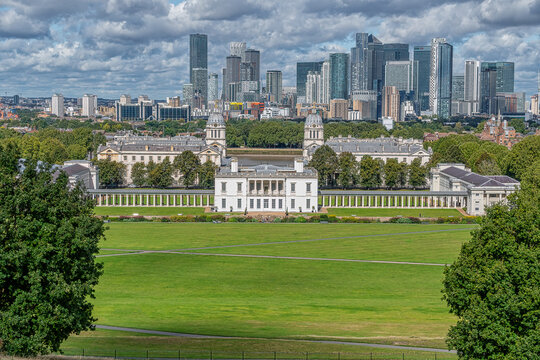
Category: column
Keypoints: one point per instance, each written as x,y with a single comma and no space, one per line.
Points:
200,203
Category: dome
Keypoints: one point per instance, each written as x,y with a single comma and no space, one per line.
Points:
215,119
313,119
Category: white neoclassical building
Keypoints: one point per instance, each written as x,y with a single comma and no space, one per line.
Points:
384,148
482,190
130,149
266,188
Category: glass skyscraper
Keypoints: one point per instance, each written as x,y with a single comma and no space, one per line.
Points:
339,75
302,69
458,87
396,52
198,59
440,81
422,54
505,74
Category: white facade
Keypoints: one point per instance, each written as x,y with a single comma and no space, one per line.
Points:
57,105
266,188
471,88
89,105
482,191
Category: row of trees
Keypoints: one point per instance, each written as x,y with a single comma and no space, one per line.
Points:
346,172
186,167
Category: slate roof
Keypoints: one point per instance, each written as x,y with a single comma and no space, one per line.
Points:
479,180
374,146
140,143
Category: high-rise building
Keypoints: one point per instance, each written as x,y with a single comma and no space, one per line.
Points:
89,105
325,82
504,73
252,58
302,69
391,104
237,49
57,105
440,81
402,74
396,52
274,85
16,99
213,87
339,109
471,86
422,54
125,99
232,75
489,104
367,63
339,76
314,87
198,67
458,87
187,94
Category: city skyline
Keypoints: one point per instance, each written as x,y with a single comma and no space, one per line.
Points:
45,49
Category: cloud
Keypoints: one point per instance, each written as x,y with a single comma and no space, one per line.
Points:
111,47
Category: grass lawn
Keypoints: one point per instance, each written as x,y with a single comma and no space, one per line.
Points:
148,211
105,342
166,236
394,212
272,298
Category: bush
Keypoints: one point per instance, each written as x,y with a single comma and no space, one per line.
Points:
182,218
314,219
277,220
324,217
300,219
233,219
332,218
216,217
400,220
202,218
347,219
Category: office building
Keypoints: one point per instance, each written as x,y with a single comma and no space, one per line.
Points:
57,105
504,75
440,81
391,104
366,102
274,85
339,64
237,49
458,87
200,87
187,94
232,77
471,86
314,87
252,61
396,52
422,55
339,109
489,103
325,82
302,69
198,53
213,94
125,99
89,105
402,74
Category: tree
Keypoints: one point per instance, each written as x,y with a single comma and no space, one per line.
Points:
348,170
207,172
139,174
518,124
486,165
494,285
160,175
392,173
76,151
417,174
371,172
52,151
325,161
111,173
402,174
188,165
48,242
522,155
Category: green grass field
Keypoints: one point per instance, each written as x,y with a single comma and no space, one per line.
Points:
261,300
147,211
394,212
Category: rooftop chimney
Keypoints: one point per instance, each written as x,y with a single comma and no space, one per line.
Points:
299,165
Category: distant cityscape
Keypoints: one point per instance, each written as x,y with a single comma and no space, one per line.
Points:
376,81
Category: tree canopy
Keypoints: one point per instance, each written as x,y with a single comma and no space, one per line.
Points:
494,286
48,242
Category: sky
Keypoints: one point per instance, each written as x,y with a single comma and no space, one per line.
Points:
112,47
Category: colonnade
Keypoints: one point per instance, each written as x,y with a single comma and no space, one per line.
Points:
377,199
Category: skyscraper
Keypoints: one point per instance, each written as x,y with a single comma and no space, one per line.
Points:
274,85
402,74
458,85
367,63
440,80
57,105
198,59
187,94
504,73
89,105
471,88
237,49
339,75
325,82
391,103
422,54
252,59
302,69
488,91
396,52
232,75
314,87
213,87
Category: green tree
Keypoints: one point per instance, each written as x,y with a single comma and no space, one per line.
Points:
52,151
371,172
111,173
76,151
139,174
392,173
325,161
403,174
188,165
417,174
522,155
161,175
486,165
494,285
518,124
348,170
207,172
48,242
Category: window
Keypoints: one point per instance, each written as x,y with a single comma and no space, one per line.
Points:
280,204
159,158
258,186
293,205
223,186
239,203
251,186
273,203
293,187
258,203
265,203
223,203
273,186
142,158
280,186
125,158
239,187
251,203
151,158
308,187
134,158
308,204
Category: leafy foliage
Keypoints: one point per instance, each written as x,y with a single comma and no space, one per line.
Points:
48,242
160,175
188,164
111,173
348,170
325,161
371,172
207,173
417,174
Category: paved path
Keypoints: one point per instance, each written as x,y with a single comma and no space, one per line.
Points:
308,258
196,336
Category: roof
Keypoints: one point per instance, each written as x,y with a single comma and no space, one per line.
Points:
380,145
263,170
313,119
215,119
479,180
146,143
